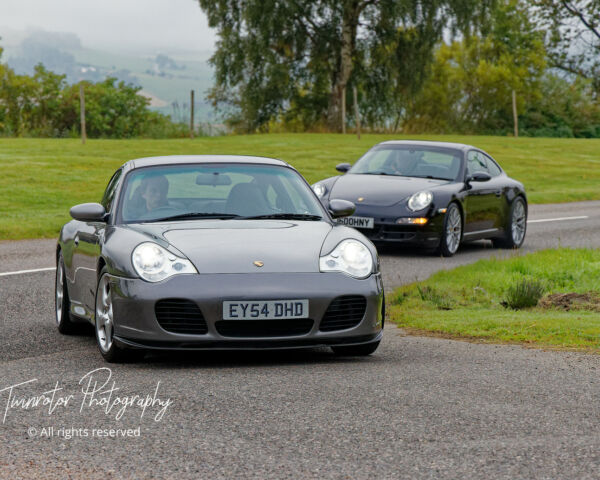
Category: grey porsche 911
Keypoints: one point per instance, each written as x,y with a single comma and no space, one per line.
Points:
430,194
217,252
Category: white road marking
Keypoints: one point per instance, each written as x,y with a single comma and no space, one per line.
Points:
560,219
20,272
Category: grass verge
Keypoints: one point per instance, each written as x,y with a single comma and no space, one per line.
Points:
471,301
42,178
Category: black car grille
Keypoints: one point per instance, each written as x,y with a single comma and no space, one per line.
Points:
398,233
264,328
180,316
344,312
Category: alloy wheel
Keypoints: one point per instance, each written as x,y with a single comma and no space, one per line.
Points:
60,291
104,315
453,230
519,221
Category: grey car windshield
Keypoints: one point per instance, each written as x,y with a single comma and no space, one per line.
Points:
410,161
183,192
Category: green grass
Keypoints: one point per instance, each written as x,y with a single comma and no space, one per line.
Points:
41,178
467,301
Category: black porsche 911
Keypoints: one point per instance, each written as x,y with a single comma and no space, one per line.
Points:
432,194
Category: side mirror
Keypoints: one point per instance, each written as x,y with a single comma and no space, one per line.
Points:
341,208
343,167
479,177
89,212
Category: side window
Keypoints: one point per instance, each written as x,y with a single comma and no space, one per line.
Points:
476,163
493,167
109,193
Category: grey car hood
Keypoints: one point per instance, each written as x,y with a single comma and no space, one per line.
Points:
233,246
379,190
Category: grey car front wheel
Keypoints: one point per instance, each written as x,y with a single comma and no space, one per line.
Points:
105,323
104,315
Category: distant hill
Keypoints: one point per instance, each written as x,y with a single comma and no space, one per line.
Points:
165,77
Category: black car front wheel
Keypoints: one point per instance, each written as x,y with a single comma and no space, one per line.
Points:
452,231
516,227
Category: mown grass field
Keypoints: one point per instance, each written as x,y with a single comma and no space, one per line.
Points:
41,178
466,302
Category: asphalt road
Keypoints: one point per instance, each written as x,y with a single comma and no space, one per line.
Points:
418,408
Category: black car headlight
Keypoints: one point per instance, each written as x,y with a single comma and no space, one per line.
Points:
420,200
319,189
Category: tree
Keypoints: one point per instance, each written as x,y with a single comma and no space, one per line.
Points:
573,39
275,56
470,83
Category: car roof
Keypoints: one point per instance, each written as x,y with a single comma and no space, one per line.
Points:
191,159
428,143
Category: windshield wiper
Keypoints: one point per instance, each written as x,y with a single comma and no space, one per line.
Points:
193,215
431,177
284,216
385,173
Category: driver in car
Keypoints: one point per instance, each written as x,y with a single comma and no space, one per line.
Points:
154,192
404,162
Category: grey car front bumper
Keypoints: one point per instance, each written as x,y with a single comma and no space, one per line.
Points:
136,323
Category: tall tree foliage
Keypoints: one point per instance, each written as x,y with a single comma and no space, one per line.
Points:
470,84
573,38
280,57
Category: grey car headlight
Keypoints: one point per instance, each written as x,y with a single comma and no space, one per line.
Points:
319,189
153,263
350,257
420,200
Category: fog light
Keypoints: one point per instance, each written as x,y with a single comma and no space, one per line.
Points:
412,221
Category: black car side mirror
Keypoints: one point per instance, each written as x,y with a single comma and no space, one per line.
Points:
479,177
88,212
343,167
341,208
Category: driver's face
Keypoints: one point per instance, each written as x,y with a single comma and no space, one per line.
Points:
154,195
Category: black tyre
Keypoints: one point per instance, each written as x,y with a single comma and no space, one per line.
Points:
356,350
451,232
104,325
516,228
62,305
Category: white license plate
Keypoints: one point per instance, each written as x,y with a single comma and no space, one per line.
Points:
357,222
265,310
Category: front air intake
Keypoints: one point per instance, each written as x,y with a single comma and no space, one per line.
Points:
180,316
344,312
264,328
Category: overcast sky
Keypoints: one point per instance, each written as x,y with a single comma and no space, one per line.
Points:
127,24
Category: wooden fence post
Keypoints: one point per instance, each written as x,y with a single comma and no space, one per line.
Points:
356,115
515,116
82,113
343,110
192,114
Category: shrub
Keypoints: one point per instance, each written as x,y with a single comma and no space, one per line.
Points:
524,294
431,295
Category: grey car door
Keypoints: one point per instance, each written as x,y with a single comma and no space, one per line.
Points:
87,249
